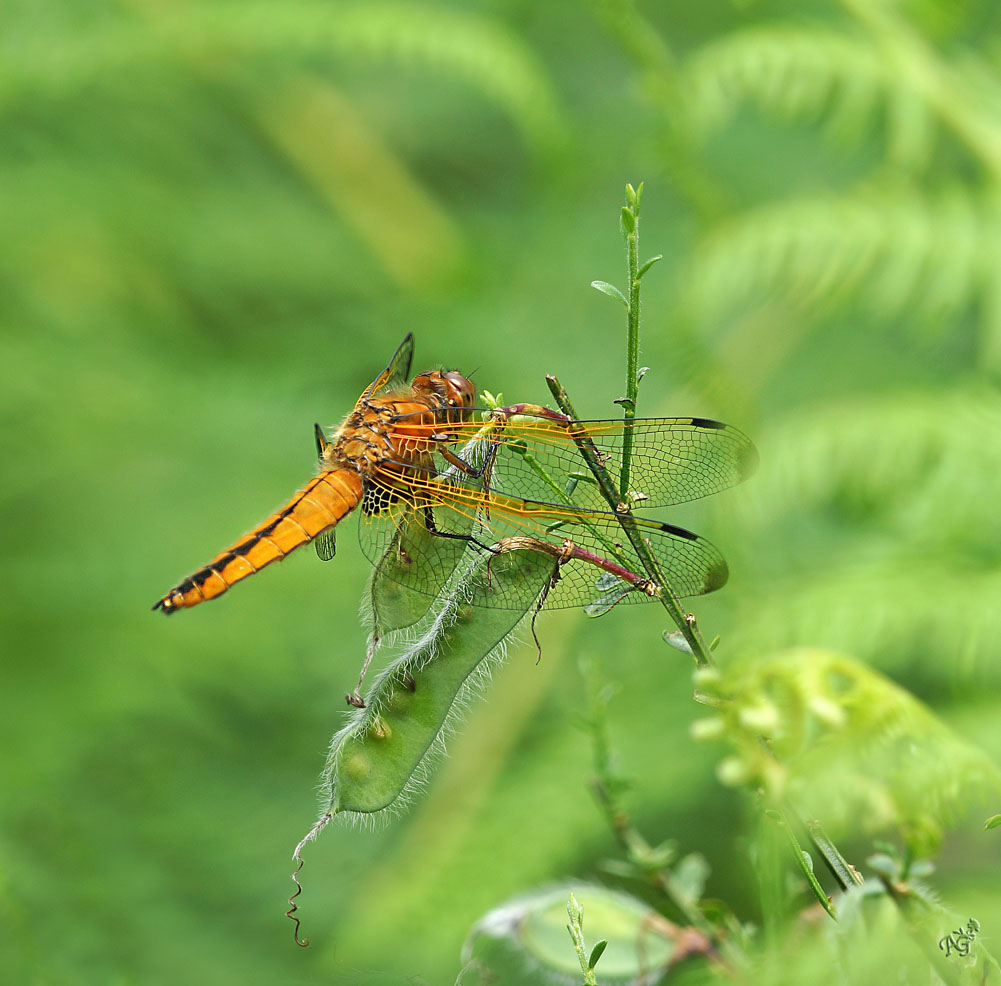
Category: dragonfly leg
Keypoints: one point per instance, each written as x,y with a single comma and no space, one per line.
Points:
565,554
484,472
428,514
468,468
354,698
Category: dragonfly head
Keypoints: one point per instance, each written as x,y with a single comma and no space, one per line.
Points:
451,387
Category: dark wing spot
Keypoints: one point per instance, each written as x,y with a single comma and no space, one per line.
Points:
748,461
678,532
717,577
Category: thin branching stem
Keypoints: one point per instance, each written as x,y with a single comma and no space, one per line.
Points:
842,871
618,500
605,787
803,862
686,624
631,227
576,914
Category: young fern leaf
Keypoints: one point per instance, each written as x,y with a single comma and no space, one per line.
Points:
915,474
795,72
846,744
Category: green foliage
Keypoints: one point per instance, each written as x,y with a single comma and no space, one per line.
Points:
383,754
898,252
474,50
525,939
906,237
215,214
903,484
845,744
795,72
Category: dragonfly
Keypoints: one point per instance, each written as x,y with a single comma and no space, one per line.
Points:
435,477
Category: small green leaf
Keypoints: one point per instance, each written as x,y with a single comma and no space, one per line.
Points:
630,196
993,822
641,373
627,222
690,875
885,865
626,402
648,265
612,591
611,290
596,954
677,640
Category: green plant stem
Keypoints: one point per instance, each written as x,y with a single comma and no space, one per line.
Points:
805,868
576,914
632,345
685,623
840,868
638,851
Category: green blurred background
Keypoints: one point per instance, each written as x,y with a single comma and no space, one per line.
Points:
218,221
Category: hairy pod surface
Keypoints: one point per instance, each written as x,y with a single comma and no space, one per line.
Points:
387,748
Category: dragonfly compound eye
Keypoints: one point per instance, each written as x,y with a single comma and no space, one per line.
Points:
460,389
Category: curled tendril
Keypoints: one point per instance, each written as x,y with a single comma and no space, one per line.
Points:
297,858
290,913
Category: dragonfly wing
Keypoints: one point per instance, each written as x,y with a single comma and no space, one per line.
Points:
419,540
414,546
326,544
688,563
672,460
397,374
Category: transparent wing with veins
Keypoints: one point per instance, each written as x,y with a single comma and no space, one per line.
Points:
417,527
673,460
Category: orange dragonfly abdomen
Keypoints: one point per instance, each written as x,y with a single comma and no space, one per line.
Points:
328,498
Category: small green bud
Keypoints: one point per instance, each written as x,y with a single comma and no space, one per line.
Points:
709,728
732,772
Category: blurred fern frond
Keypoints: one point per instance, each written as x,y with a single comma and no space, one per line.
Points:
846,744
929,460
473,49
895,500
895,249
795,72
895,614
891,241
